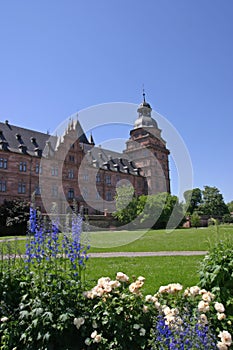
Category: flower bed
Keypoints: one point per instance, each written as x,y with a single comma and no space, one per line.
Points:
45,304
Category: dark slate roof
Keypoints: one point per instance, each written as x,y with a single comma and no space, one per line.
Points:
110,160
17,139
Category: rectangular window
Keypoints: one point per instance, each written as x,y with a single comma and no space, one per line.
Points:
97,196
23,166
71,193
85,177
38,169
71,158
21,187
54,171
3,163
38,190
98,178
108,196
70,173
2,186
85,211
54,191
108,179
85,193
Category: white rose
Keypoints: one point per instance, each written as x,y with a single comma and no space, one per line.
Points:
122,277
221,316
149,298
141,278
203,319
203,306
78,322
145,309
93,334
225,337
194,290
222,346
97,338
219,307
142,332
136,326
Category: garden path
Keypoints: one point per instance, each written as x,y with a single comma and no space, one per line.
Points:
134,254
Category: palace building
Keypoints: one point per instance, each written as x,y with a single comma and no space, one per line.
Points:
58,170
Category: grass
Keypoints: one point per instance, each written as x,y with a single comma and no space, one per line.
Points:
157,270
158,240
151,241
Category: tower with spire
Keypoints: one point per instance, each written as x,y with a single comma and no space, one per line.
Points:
147,149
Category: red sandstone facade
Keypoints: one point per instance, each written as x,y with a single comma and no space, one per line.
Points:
59,170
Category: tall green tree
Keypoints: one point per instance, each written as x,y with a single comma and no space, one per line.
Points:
193,199
213,203
126,204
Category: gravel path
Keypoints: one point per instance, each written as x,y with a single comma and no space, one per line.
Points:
134,254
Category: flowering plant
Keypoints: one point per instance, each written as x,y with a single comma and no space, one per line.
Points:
41,291
188,319
117,316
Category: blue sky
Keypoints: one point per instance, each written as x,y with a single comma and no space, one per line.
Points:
62,56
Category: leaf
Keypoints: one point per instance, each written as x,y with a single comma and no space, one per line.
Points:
48,315
23,314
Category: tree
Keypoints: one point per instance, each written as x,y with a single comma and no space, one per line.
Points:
126,204
151,211
213,204
230,206
193,199
195,220
160,210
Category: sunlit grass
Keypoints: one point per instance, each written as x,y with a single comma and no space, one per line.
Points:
158,240
157,270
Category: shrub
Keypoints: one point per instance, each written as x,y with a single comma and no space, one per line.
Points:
187,320
216,273
118,316
41,293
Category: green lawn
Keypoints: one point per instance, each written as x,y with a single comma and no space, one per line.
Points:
158,240
153,240
157,270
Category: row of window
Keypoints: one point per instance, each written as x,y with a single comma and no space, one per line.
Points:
21,187
54,171
54,191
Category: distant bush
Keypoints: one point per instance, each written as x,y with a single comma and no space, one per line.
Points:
227,219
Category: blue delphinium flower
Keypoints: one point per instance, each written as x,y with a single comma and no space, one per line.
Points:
190,335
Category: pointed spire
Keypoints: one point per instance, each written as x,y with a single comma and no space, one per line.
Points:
91,140
143,94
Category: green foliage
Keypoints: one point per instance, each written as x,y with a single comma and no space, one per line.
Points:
227,219
126,204
152,210
39,308
195,220
193,199
230,206
216,273
40,292
14,212
213,204
116,315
